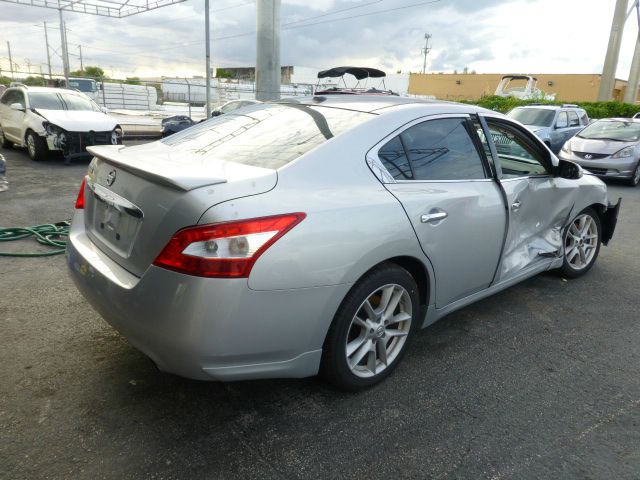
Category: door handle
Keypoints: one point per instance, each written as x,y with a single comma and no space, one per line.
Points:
433,217
515,206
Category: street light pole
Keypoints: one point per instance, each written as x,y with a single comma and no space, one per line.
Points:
46,39
208,59
608,80
65,53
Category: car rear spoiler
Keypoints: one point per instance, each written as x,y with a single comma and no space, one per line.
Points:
170,174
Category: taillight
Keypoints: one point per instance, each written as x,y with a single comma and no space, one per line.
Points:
80,199
224,250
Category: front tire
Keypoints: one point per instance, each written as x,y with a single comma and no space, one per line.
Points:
581,243
36,147
372,328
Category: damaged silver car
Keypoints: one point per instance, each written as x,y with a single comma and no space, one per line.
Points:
52,119
318,235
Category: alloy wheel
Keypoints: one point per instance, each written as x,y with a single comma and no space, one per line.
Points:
636,175
31,146
581,242
378,330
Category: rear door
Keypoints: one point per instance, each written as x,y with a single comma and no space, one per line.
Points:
539,204
442,180
560,131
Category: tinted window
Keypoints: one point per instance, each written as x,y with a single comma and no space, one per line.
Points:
266,135
518,157
394,159
573,119
542,117
442,150
61,101
12,96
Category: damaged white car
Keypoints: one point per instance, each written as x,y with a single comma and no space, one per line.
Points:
52,119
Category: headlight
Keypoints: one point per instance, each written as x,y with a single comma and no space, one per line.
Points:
624,153
52,129
566,148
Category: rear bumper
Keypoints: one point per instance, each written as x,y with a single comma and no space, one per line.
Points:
205,328
609,221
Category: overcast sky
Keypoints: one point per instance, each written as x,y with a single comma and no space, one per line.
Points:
488,36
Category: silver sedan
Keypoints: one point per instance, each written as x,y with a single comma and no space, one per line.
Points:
318,235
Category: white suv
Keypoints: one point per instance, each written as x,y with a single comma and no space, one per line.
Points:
53,119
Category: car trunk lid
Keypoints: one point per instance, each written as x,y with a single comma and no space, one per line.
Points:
136,199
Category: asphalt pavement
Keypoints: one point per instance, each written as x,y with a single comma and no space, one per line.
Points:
539,381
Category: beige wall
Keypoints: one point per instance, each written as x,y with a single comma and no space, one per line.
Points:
567,87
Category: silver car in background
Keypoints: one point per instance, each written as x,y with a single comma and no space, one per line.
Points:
608,148
318,235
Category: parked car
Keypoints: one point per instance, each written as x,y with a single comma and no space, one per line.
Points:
552,123
231,106
318,234
608,148
50,119
175,124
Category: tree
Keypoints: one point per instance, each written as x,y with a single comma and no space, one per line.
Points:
91,72
32,81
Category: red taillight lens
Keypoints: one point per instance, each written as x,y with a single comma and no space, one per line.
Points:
224,250
80,199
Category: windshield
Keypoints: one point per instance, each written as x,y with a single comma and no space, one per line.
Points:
542,117
619,130
61,101
83,85
266,136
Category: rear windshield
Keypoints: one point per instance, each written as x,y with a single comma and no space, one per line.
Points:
266,136
541,117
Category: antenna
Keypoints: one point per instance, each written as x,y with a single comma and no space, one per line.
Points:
426,50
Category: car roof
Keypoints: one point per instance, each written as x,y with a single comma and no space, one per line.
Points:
45,89
550,107
380,104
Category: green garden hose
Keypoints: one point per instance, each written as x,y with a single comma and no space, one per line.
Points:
53,235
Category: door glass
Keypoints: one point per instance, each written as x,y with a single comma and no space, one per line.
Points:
562,121
395,160
518,157
442,150
573,119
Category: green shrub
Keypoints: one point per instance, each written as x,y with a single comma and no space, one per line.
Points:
593,109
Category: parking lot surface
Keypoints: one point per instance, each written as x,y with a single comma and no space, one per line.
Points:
539,381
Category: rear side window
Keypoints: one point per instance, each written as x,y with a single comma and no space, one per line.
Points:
573,119
266,135
584,119
395,160
436,150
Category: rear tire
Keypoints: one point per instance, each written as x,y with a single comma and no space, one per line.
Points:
372,329
635,179
36,146
3,140
581,243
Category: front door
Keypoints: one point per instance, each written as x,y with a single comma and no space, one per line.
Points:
455,207
536,200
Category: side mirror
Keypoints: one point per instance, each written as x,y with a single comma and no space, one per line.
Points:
17,106
216,113
104,109
568,170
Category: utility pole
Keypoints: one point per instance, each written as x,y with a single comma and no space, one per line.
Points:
81,65
207,107
426,51
63,42
607,82
631,95
268,70
46,39
10,60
